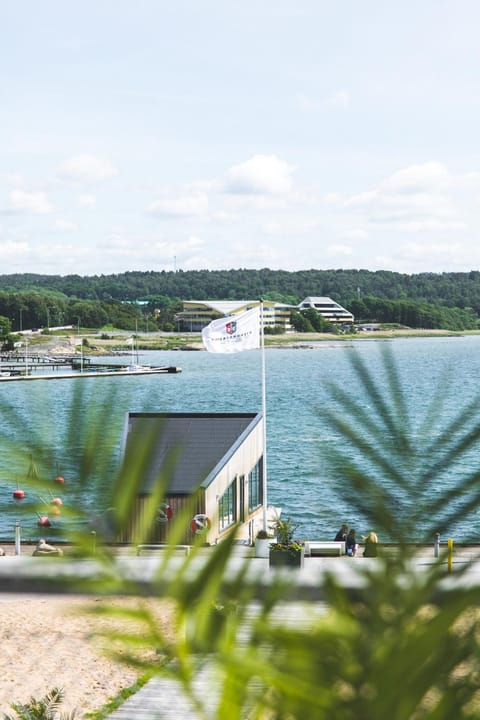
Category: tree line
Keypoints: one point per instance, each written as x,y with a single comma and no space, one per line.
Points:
445,300
449,289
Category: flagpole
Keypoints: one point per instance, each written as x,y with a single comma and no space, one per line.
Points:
264,413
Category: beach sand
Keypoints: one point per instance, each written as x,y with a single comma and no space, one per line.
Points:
46,641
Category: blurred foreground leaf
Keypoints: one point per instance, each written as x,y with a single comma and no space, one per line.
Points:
400,644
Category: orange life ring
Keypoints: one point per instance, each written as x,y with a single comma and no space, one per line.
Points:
200,524
164,513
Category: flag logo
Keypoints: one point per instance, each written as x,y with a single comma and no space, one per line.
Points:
231,336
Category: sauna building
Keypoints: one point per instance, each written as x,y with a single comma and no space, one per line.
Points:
207,468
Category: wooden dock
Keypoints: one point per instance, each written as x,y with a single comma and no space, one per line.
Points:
89,372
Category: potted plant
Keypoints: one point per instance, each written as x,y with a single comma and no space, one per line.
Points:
262,544
286,551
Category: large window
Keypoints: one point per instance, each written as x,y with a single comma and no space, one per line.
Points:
227,506
255,486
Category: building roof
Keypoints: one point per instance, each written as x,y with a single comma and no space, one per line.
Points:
201,444
320,300
224,307
230,307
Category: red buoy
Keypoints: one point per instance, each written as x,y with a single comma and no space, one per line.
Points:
59,480
56,501
44,521
18,494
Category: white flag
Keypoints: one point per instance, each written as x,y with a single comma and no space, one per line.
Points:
234,333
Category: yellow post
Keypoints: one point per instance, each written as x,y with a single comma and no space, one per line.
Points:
450,554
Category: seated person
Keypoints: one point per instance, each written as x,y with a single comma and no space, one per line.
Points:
371,545
351,545
342,533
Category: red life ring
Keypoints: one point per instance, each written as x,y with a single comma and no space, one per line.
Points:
200,524
164,513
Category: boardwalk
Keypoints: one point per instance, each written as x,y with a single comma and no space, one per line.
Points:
164,699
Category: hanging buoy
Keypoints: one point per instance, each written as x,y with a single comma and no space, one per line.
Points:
164,513
18,494
59,479
56,501
44,521
200,524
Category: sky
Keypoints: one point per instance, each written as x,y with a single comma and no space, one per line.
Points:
220,134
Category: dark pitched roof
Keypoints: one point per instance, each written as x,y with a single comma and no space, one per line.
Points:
202,443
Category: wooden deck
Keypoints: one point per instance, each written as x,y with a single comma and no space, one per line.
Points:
163,698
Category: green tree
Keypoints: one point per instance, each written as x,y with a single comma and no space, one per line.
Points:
300,322
5,327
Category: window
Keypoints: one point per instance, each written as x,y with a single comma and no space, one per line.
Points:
255,486
227,507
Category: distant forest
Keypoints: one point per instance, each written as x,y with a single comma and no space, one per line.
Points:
446,300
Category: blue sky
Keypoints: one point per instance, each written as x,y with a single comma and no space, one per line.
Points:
217,134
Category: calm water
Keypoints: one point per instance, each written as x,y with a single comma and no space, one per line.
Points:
298,435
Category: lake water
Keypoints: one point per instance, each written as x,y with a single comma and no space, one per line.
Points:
300,481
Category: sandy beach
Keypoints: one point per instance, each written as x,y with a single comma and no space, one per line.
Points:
47,641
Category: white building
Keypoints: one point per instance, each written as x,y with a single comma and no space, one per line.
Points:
328,309
196,314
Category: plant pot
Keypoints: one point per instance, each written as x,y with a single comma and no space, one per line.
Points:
283,557
262,547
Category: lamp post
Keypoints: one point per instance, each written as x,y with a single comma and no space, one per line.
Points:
26,355
81,344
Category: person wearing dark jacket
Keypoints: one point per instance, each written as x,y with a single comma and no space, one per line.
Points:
342,533
351,545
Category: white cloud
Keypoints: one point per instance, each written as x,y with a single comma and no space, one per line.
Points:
333,199
305,103
426,177
339,250
87,201
292,227
413,199
339,99
14,250
15,179
422,251
193,242
426,225
223,216
29,203
262,174
368,197
191,203
355,234
65,226
86,169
